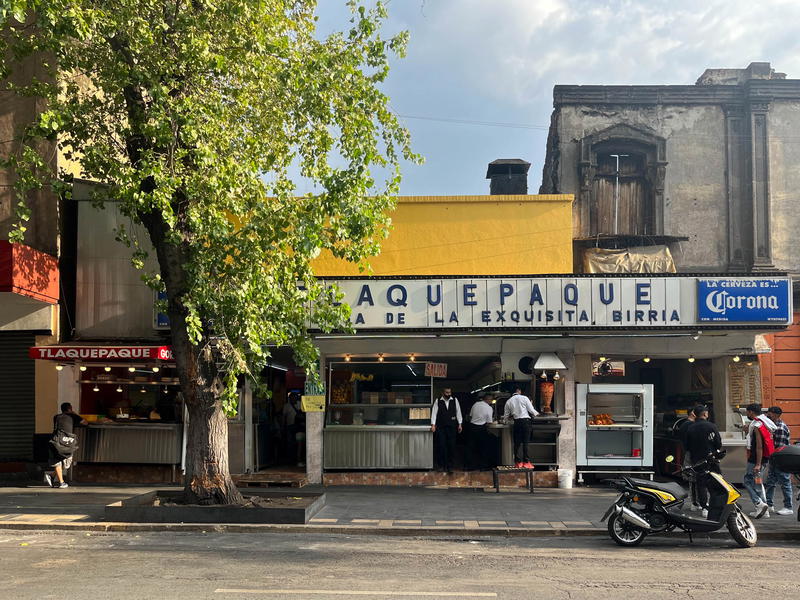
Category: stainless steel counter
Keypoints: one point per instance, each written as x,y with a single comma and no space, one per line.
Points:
144,443
377,447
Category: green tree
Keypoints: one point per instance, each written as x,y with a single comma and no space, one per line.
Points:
193,115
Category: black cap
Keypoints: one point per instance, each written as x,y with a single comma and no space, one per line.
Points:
776,409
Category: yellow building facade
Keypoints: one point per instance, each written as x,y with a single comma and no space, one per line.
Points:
471,235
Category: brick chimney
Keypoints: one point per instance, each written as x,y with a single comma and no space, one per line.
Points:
508,176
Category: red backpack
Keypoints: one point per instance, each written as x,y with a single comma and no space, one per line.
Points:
766,439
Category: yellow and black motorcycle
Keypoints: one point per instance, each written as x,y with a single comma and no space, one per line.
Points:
647,507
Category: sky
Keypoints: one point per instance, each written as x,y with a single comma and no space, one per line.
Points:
477,82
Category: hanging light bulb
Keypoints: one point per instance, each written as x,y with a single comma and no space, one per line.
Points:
119,388
107,369
59,367
165,389
142,390
557,376
691,359
543,375
736,358
411,357
602,359
82,367
156,369
646,359
95,388
380,357
346,358
131,369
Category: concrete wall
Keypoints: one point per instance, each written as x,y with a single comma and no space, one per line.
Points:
471,235
695,189
784,160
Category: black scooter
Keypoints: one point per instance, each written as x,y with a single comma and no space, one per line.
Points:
646,508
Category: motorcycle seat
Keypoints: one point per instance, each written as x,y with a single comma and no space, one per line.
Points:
670,487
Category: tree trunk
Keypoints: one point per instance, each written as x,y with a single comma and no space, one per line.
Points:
208,479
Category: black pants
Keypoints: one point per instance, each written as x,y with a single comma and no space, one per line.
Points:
445,443
522,435
702,486
480,447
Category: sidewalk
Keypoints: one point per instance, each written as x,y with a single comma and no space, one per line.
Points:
376,510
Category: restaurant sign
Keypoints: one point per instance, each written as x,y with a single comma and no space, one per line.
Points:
101,353
565,302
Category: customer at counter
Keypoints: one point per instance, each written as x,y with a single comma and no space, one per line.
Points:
480,446
519,408
445,423
65,421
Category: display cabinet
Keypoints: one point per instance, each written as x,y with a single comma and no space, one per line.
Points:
614,425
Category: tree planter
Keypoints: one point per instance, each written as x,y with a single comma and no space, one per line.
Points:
151,508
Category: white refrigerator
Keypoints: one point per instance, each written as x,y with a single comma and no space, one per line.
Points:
614,425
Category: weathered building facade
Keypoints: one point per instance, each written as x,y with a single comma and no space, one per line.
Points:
707,169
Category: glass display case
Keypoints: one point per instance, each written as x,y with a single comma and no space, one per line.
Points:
614,426
378,416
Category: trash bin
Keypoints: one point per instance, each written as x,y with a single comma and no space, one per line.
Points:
565,479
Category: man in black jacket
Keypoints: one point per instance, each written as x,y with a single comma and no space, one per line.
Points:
682,431
445,423
65,421
702,439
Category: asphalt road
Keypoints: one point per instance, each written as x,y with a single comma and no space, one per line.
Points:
325,567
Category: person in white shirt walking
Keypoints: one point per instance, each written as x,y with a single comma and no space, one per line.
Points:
519,408
480,454
445,424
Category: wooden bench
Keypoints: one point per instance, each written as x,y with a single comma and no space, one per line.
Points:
497,471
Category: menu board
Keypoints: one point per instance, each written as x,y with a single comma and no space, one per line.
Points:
744,384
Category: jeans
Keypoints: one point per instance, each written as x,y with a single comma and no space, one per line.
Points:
756,491
778,477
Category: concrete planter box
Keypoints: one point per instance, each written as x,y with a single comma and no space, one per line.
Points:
141,509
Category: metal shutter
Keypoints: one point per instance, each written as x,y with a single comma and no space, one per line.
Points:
17,397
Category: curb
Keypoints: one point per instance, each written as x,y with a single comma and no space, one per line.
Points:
115,527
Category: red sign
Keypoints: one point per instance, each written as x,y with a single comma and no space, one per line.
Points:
101,353
435,369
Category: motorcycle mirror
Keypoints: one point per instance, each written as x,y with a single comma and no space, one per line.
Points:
669,458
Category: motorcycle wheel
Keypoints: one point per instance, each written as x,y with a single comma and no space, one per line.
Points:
624,533
742,529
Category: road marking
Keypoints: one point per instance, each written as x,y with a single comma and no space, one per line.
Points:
358,593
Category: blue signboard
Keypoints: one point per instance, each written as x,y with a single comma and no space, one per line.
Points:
744,300
160,320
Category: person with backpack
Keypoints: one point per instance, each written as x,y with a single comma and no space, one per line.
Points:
780,437
759,448
62,445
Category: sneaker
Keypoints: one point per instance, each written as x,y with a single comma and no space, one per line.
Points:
784,512
704,513
63,485
695,508
527,465
762,510
519,465
48,480
772,509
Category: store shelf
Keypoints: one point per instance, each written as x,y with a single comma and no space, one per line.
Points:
616,426
385,405
128,382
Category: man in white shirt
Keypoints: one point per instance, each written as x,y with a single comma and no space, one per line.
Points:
445,423
519,408
480,453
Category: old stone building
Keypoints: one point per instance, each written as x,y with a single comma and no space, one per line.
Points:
708,170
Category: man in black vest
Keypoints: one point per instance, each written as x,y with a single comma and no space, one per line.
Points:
445,423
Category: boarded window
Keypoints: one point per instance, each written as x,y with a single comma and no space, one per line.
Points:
623,202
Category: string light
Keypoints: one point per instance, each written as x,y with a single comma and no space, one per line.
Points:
59,367
156,369
691,359
646,359
132,369
107,369
82,367
736,358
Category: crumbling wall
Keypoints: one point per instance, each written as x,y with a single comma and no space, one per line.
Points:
784,189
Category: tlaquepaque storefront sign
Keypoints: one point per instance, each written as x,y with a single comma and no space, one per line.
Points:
566,302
